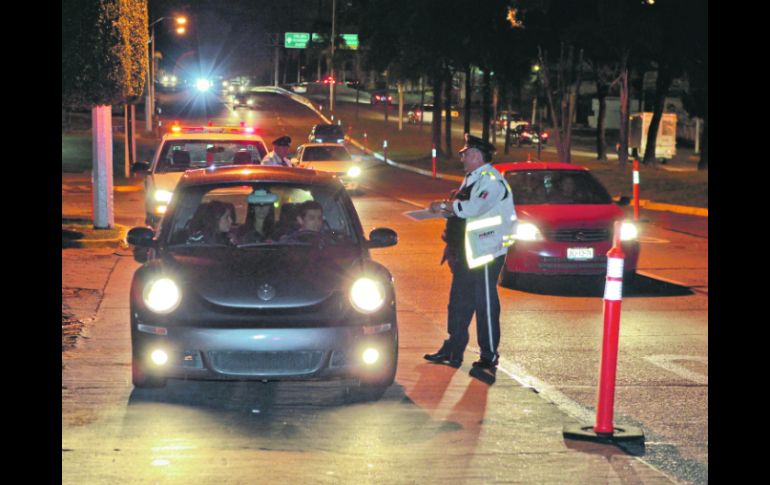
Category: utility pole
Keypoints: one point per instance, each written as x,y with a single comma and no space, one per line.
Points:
333,80
275,76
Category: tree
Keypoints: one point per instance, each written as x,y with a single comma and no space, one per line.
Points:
104,58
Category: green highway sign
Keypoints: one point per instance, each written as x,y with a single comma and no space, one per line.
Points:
296,40
351,40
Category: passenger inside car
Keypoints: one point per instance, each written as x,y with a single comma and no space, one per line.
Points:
260,218
309,219
211,223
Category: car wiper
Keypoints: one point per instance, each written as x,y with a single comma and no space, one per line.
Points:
199,245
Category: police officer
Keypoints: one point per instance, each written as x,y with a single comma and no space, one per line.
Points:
480,222
279,155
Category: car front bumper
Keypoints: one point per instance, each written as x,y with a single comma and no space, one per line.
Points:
551,258
269,354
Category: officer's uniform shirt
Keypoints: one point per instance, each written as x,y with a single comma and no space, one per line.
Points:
272,158
487,190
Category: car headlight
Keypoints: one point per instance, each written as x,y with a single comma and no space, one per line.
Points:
628,231
250,102
526,231
163,196
367,295
162,295
354,172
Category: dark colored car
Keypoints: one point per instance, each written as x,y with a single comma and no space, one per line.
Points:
382,97
292,305
526,134
565,223
323,133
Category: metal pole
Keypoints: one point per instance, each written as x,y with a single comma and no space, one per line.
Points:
275,78
331,60
148,105
126,144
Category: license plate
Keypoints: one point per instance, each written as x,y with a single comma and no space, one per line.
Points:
580,253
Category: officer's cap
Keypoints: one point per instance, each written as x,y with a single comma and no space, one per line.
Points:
283,141
475,142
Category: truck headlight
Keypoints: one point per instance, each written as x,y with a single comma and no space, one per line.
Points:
526,231
628,231
162,295
354,172
162,196
367,295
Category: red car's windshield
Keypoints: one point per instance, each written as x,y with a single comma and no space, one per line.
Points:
556,187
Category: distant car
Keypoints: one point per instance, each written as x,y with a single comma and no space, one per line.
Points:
325,133
565,222
382,97
502,121
526,134
167,83
426,112
245,98
331,157
311,305
185,148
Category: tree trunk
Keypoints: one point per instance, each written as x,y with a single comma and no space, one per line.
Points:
468,92
662,85
623,143
602,89
422,100
436,135
448,111
703,163
486,105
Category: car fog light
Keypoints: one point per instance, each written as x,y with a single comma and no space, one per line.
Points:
367,295
371,356
354,172
159,357
628,232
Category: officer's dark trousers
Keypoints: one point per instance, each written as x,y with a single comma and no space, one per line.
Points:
475,291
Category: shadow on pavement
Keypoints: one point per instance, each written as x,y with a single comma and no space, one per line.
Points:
593,286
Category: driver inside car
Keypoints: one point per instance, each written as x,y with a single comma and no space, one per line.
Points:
310,219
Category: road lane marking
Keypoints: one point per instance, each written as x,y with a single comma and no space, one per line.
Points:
653,240
667,362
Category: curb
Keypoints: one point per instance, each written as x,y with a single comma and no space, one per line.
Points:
128,188
118,242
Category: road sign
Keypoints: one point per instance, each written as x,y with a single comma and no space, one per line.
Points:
351,41
296,40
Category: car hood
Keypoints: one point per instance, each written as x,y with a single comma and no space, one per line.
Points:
329,166
556,216
298,276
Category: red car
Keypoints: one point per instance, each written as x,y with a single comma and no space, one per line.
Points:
566,222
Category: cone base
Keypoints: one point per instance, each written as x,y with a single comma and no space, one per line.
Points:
587,433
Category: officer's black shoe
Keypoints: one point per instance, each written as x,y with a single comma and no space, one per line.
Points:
444,356
484,370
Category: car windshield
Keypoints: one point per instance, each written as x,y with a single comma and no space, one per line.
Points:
556,187
261,214
328,130
181,155
325,153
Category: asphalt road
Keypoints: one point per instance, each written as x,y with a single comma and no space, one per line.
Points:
435,425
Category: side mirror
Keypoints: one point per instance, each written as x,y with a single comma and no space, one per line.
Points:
141,237
141,166
382,237
624,201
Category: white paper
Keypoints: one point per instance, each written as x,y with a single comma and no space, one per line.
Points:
424,214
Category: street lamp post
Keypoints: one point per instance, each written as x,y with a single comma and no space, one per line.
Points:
333,80
149,105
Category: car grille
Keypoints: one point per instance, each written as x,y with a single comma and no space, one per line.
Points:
579,235
596,265
246,363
